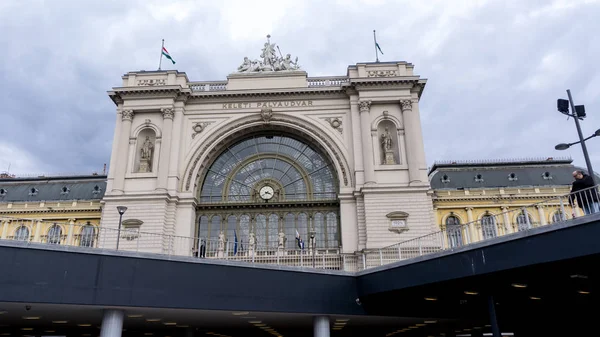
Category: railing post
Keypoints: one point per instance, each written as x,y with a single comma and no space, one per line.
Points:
364,260
420,248
380,257
399,253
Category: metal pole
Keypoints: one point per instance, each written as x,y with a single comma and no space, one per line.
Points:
161,51
376,53
493,318
582,141
119,231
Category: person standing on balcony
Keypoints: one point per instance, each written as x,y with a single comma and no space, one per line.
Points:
584,192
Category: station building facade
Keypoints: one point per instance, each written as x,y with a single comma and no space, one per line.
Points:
270,154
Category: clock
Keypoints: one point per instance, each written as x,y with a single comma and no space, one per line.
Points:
266,192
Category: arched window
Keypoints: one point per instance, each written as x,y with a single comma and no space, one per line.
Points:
558,216
87,236
522,220
454,231
22,233
488,226
54,234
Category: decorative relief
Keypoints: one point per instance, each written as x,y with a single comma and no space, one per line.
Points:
167,113
406,104
152,82
127,115
199,127
335,123
382,73
269,61
266,114
364,106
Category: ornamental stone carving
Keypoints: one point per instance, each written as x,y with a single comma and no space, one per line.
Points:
167,113
197,128
335,123
406,104
364,106
269,61
151,82
382,73
266,114
127,115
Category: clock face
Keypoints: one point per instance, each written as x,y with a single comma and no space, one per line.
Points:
266,192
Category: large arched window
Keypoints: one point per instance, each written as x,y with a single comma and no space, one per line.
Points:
54,234
272,186
87,236
524,221
488,226
22,233
454,231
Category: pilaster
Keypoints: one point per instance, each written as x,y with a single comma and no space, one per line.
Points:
165,155
359,170
367,148
122,151
415,150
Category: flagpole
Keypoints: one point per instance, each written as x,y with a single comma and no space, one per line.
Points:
376,53
161,52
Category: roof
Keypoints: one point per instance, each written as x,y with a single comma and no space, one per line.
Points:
502,173
52,188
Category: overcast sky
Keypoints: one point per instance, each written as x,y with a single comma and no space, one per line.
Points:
494,68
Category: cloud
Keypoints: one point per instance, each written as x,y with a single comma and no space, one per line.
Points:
494,68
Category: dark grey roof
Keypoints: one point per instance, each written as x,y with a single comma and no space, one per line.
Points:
493,175
52,188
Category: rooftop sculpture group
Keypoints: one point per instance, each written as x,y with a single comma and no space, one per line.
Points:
270,61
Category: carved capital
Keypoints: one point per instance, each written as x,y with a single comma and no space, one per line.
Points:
468,209
167,113
364,106
71,220
127,115
406,104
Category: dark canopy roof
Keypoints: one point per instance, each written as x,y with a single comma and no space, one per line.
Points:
52,188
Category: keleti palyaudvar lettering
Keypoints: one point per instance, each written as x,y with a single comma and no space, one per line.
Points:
281,104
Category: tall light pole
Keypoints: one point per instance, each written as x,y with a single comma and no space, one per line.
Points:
121,210
577,113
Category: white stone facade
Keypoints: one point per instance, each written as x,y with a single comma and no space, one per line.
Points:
190,123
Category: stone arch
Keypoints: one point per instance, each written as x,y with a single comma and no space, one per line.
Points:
142,127
203,155
454,214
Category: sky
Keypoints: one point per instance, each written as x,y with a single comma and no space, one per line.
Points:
494,68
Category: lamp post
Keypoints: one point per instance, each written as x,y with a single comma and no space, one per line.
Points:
578,112
313,246
121,210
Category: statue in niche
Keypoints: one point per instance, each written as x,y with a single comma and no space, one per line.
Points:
387,144
282,239
146,155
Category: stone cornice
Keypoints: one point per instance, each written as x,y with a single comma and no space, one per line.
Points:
118,95
495,198
31,211
269,93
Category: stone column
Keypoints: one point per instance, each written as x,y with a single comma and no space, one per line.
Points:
121,163
176,141
112,323
349,233
541,215
70,233
5,225
321,326
473,237
507,225
367,148
415,150
165,149
38,231
356,141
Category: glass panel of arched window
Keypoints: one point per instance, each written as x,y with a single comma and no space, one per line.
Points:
488,226
273,231
320,236
522,222
22,233
231,232
558,216
290,162
332,230
88,234
54,234
302,226
290,231
261,231
244,229
215,226
454,231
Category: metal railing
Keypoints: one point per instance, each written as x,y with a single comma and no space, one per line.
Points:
452,236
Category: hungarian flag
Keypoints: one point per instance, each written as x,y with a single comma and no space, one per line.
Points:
165,52
299,239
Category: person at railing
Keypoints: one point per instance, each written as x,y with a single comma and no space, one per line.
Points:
584,191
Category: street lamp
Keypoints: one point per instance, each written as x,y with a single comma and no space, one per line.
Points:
578,112
313,244
564,146
121,210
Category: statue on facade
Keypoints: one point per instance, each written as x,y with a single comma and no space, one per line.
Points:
251,243
269,61
281,240
221,244
146,155
387,144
